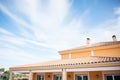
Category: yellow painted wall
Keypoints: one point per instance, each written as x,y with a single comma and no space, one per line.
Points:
70,76
76,55
34,76
80,54
114,52
48,76
65,56
109,52
93,75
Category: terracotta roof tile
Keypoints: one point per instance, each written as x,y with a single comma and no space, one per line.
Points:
80,61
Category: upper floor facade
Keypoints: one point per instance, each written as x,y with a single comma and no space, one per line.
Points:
107,49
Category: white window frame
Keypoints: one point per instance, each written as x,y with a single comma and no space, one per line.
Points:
81,73
40,74
57,75
112,73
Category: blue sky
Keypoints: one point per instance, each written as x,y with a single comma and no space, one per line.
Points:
35,30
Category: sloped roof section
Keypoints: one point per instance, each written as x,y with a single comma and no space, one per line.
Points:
95,45
71,62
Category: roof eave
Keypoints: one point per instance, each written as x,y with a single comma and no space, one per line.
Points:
65,66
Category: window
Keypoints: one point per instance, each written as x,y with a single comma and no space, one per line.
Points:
40,77
81,77
57,77
117,77
112,76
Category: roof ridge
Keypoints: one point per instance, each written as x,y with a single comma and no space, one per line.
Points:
98,44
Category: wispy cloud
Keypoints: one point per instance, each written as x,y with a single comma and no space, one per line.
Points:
106,29
14,40
117,10
3,31
15,56
46,28
47,23
15,18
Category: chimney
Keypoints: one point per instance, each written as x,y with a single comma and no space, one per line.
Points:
114,38
88,41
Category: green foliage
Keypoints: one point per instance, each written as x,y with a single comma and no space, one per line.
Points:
2,69
20,76
5,74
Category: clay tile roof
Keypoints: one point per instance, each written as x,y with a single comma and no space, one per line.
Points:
100,44
77,61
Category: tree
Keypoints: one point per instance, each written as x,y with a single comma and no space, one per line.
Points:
2,69
5,74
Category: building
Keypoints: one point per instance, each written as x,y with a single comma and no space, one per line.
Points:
99,61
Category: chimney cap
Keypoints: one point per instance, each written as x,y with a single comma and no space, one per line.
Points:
88,38
88,41
113,36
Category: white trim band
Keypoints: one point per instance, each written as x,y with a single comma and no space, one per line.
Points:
94,69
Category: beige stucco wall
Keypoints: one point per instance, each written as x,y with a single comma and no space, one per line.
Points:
80,54
48,76
112,52
65,56
109,52
95,75
34,76
70,75
75,54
